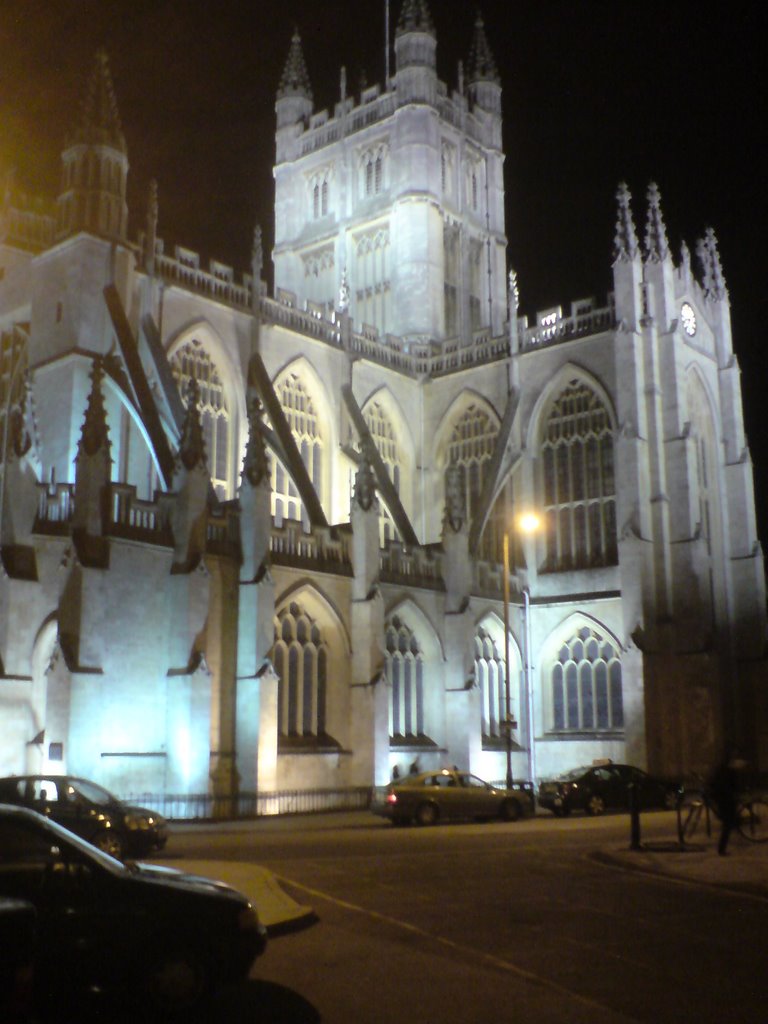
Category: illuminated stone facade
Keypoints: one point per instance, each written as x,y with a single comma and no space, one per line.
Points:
255,542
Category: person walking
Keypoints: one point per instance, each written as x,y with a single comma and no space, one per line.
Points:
724,788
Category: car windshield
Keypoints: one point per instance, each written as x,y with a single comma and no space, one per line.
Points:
95,794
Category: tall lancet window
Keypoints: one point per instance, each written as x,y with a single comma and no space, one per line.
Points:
470,448
405,674
490,676
301,663
371,280
192,360
383,434
303,420
579,485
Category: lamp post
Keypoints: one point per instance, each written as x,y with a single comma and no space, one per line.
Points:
527,524
507,694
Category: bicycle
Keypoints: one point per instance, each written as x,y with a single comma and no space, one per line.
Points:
751,817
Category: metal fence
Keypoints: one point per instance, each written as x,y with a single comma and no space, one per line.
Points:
208,807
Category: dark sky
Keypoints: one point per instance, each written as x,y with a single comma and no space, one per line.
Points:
594,92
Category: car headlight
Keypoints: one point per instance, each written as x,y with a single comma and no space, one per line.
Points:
140,822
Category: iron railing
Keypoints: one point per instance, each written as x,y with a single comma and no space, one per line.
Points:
210,807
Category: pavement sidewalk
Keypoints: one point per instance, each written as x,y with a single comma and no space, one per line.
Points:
743,869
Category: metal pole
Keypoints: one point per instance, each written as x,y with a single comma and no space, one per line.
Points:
508,700
529,688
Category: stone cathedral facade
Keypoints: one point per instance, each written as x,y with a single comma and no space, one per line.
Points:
254,542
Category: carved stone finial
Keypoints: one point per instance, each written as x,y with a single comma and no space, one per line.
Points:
95,434
656,245
343,304
625,242
455,499
256,461
714,281
365,485
513,291
191,442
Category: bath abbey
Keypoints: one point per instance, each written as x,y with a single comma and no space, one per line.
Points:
304,536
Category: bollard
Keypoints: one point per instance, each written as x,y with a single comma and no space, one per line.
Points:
634,817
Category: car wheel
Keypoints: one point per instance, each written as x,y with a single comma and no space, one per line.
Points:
510,810
426,814
176,981
595,805
109,842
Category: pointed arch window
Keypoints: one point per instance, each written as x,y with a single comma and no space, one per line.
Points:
405,675
303,420
578,481
490,676
586,685
382,431
470,447
301,663
192,360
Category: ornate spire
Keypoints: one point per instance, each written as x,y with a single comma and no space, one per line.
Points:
295,77
709,257
94,436
98,122
455,499
656,245
481,67
625,242
191,442
256,462
365,485
415,17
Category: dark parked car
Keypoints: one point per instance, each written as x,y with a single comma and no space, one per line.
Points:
144,932
600,787
446,795
90,811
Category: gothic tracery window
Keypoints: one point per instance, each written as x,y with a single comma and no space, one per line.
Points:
586,685
578,477
490,676
192,360
301,663
405,674
303,420
380,426
470,447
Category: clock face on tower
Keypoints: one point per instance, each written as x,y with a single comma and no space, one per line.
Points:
688,318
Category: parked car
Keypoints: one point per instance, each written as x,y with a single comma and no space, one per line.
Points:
599,787
135,930
447,795
90,811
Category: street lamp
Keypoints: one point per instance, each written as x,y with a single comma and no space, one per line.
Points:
528,523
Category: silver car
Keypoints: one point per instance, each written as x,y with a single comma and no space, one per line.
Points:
448,795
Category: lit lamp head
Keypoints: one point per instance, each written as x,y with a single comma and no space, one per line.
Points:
528,522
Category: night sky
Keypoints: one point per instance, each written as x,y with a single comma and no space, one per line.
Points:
594,93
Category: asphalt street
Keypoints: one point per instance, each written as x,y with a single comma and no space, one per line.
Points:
527,921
